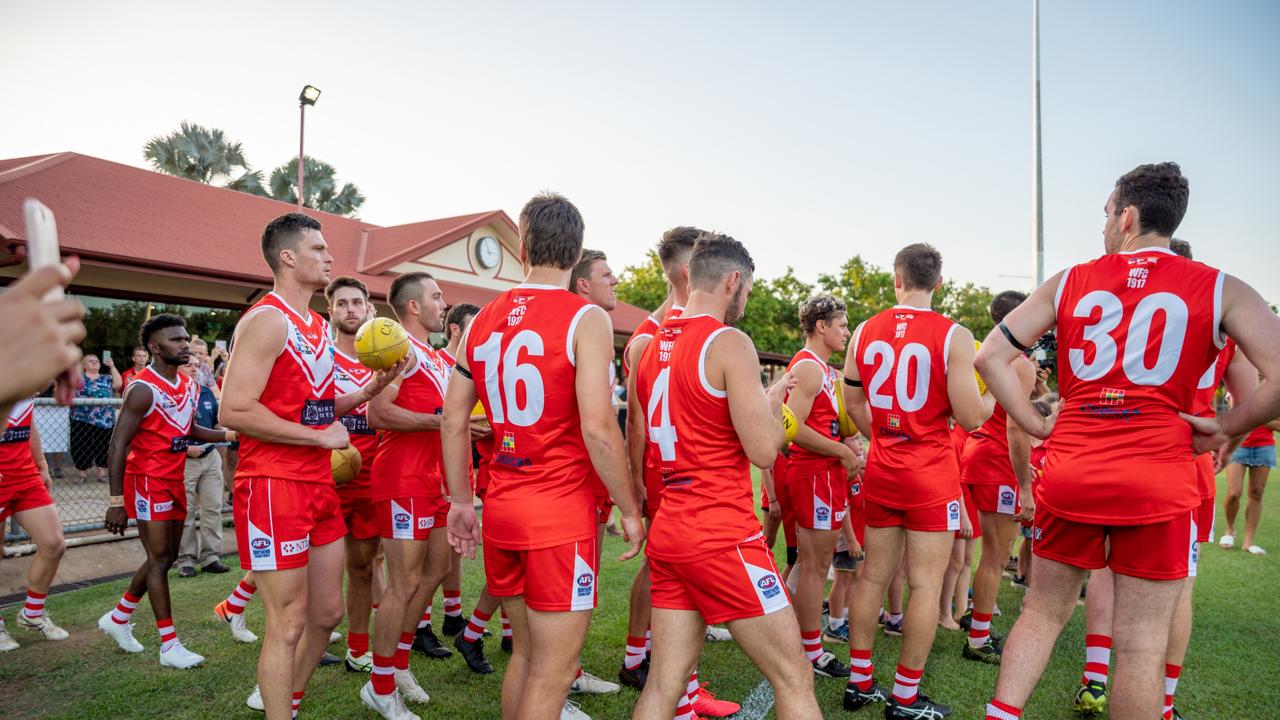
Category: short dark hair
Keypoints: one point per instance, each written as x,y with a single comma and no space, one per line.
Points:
820,307
920,265
282,232
158,323
1004,303
582,269
405,288
457,313
344,281
1160,193
677,243
551,231
1181,247
714,257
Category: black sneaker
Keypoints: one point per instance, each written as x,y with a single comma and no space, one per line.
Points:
987,652
186,571
453,624
1091,698
828,665
855,699
892,628
966,620
506,645
1020,581
473,654
1176,715
634,678
329,659
426,642
922,709
216,567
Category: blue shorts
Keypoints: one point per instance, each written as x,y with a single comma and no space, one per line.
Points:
1264,456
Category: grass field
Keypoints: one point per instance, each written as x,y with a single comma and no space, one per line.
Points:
1232,672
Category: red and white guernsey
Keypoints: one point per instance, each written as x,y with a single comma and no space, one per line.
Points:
902,360
706,496
647,329
299,389
408,463
519,351
16,463
985,459
349,378
159,449
824,415
1136,333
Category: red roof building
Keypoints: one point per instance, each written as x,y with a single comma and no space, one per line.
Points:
147,236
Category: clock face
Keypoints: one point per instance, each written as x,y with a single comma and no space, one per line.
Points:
488,253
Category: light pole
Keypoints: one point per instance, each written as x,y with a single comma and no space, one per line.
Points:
308,96
1037,179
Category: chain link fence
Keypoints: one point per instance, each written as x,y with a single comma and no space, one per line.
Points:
74,441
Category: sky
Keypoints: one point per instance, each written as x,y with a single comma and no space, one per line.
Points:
809,131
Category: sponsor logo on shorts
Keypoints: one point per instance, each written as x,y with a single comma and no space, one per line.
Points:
260,547
840,516
586,584
769,586
293,547
1008,500
141,504
835,428
953,515
164,506
821,513
855,489
401,520
1035,534
426,523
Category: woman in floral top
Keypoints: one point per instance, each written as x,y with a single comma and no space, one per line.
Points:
91,425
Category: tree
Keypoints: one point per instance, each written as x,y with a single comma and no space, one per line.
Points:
643,285
198,153
865,288
967,304
115,326
319,187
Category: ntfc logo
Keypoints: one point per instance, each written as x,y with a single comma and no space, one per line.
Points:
895,422
1111,396
508,443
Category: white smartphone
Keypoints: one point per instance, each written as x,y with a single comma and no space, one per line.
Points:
220,344
106,356
42,240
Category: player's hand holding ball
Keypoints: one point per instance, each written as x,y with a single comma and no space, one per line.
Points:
381,343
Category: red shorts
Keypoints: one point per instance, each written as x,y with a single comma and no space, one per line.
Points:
1160,551
739,582
1000,499
971,510
818,497
1205,520
561,578
19,495
410,518
943,517
787,521
604,508
360,515
652,493
857,510
278,520
155,499
482,480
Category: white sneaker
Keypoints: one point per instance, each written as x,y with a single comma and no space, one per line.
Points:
334,637
573,711
390,706
409,688
1227,542
43,625
7,642
1253,550
588,684
715,633
122,634
179,657
240,630
359,663
254,701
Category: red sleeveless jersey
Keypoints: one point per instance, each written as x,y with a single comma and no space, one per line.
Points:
16,462
519,351
159,449
706,496
902,360
409,463
300,390
349,378
1207,388
1260,437
824,414
1136,332
959,438
647,329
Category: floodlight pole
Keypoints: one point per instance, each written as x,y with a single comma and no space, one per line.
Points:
302,123
1037,182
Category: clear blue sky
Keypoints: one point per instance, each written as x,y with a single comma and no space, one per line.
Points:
809,132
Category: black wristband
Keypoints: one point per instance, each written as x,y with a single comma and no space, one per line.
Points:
462,371
1012,340
853,383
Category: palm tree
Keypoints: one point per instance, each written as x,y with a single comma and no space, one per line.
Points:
320,189
205,155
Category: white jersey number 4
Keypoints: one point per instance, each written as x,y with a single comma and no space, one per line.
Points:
658,417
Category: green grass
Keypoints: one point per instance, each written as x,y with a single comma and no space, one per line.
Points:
1232,671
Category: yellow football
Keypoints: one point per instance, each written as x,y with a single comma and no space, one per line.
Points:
478,410
847,428
982,384
346,465
381,343
790,425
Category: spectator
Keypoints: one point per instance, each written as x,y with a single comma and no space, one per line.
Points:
204,375
204,486
140,358
91,426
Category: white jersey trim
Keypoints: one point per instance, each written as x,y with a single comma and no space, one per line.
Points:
1218,338
573,329
702,367
946,348
260,308
1057,294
